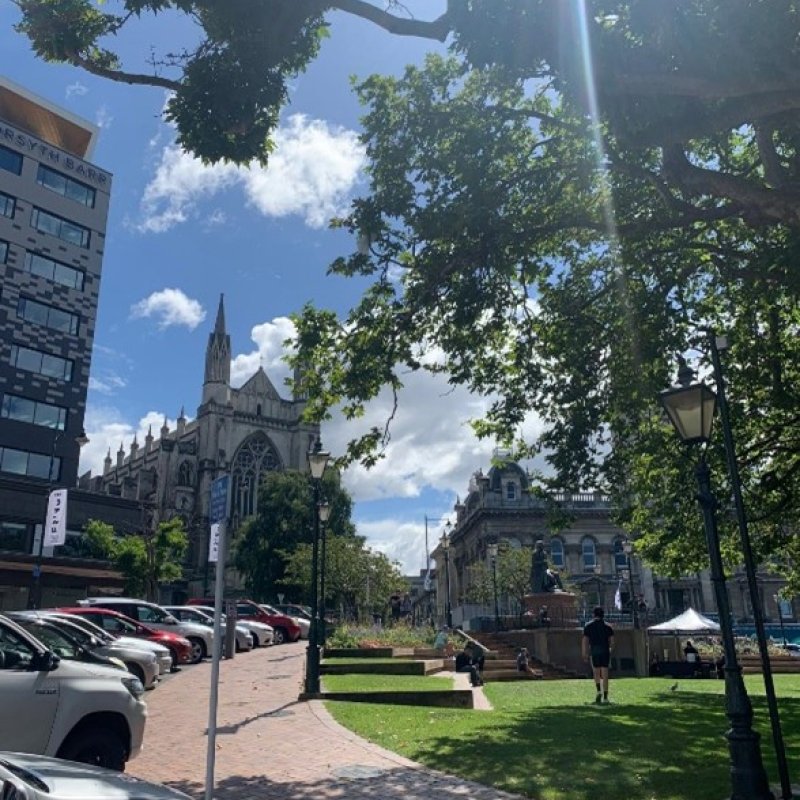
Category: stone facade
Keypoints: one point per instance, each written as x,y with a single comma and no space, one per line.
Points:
244,432
589,553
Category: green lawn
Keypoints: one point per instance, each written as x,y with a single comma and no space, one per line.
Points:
385,683
547,739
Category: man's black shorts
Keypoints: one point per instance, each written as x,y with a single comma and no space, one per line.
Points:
600,660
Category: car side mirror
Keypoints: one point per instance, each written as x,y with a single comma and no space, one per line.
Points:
44,662
170,620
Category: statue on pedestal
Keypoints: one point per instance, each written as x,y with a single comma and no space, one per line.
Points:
538,568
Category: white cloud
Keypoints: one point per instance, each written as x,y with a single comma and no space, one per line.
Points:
76,89
108,384
311,174
103,118
269,338
170,307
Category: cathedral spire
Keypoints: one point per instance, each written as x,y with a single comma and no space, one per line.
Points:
216,383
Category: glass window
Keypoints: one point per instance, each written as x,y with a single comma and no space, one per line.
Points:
54,271
14,536
7,205
13,461
10,160
620,557
39,466
23,409
511,491
589,554
3,252
17,653
557,552
41,363
51,317
67,187
67,231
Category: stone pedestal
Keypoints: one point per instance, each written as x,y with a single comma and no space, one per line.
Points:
562,607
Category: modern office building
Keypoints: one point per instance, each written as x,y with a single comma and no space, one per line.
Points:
53,210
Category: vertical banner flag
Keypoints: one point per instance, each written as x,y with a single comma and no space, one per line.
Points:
618,597
55,530
217,513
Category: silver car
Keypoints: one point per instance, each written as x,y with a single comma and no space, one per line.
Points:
262,633
28,777
154,616
244,641
162,654
138,662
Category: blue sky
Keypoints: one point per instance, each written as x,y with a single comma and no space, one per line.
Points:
180,233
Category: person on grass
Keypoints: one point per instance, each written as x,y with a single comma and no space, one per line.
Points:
597,646
467,662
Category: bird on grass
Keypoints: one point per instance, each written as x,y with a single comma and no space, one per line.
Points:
674,687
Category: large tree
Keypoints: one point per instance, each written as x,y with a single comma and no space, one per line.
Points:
556,211
285,520
145,559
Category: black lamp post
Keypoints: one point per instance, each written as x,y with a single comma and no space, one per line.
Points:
324,512
717,343
445,543
690,408
317,461
627,548
780,617
492,550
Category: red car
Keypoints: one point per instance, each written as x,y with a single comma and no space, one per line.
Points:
285,628
119,625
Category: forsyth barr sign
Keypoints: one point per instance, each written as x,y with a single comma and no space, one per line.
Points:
33,146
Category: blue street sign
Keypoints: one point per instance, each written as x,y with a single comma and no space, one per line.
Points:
218,507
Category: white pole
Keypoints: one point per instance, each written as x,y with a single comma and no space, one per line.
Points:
215,659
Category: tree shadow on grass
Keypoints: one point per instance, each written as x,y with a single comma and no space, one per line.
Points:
672,748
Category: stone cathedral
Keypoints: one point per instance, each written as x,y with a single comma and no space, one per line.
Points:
244,432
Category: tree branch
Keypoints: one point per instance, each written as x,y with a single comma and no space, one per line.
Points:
437,29
123,77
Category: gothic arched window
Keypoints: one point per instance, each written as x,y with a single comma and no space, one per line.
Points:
186,474
253,459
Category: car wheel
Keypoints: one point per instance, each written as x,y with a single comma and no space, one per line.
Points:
96,746
279,637
256,641
136,670
198,650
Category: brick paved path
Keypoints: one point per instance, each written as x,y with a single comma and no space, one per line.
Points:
272,747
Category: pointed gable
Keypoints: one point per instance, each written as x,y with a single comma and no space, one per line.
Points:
260,385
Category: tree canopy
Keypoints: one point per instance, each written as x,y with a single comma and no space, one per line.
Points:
555,211
285,520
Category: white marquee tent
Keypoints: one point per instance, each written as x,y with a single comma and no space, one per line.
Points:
689,622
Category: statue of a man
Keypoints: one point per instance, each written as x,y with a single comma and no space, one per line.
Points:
538,568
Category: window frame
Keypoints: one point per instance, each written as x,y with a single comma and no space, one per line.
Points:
86,234
67,183
55,264
587,567
73,319
12,153
68,363
558,540
5,199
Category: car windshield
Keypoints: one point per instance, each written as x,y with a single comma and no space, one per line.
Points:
54,639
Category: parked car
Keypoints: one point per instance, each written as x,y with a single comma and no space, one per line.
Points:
285,629
244,640
69,640
154,616
118,624
162,653
294,610
261,633
302,623
82,712
28,777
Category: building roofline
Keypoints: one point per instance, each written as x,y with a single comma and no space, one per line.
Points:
46,120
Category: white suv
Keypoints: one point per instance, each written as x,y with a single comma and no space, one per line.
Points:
81,712
154,616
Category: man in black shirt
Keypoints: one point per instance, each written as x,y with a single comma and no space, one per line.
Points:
598,642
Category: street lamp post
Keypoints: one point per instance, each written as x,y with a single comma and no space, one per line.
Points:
317,461
445,542
324,511
627,548
780,617
492,549
690,408
717,343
